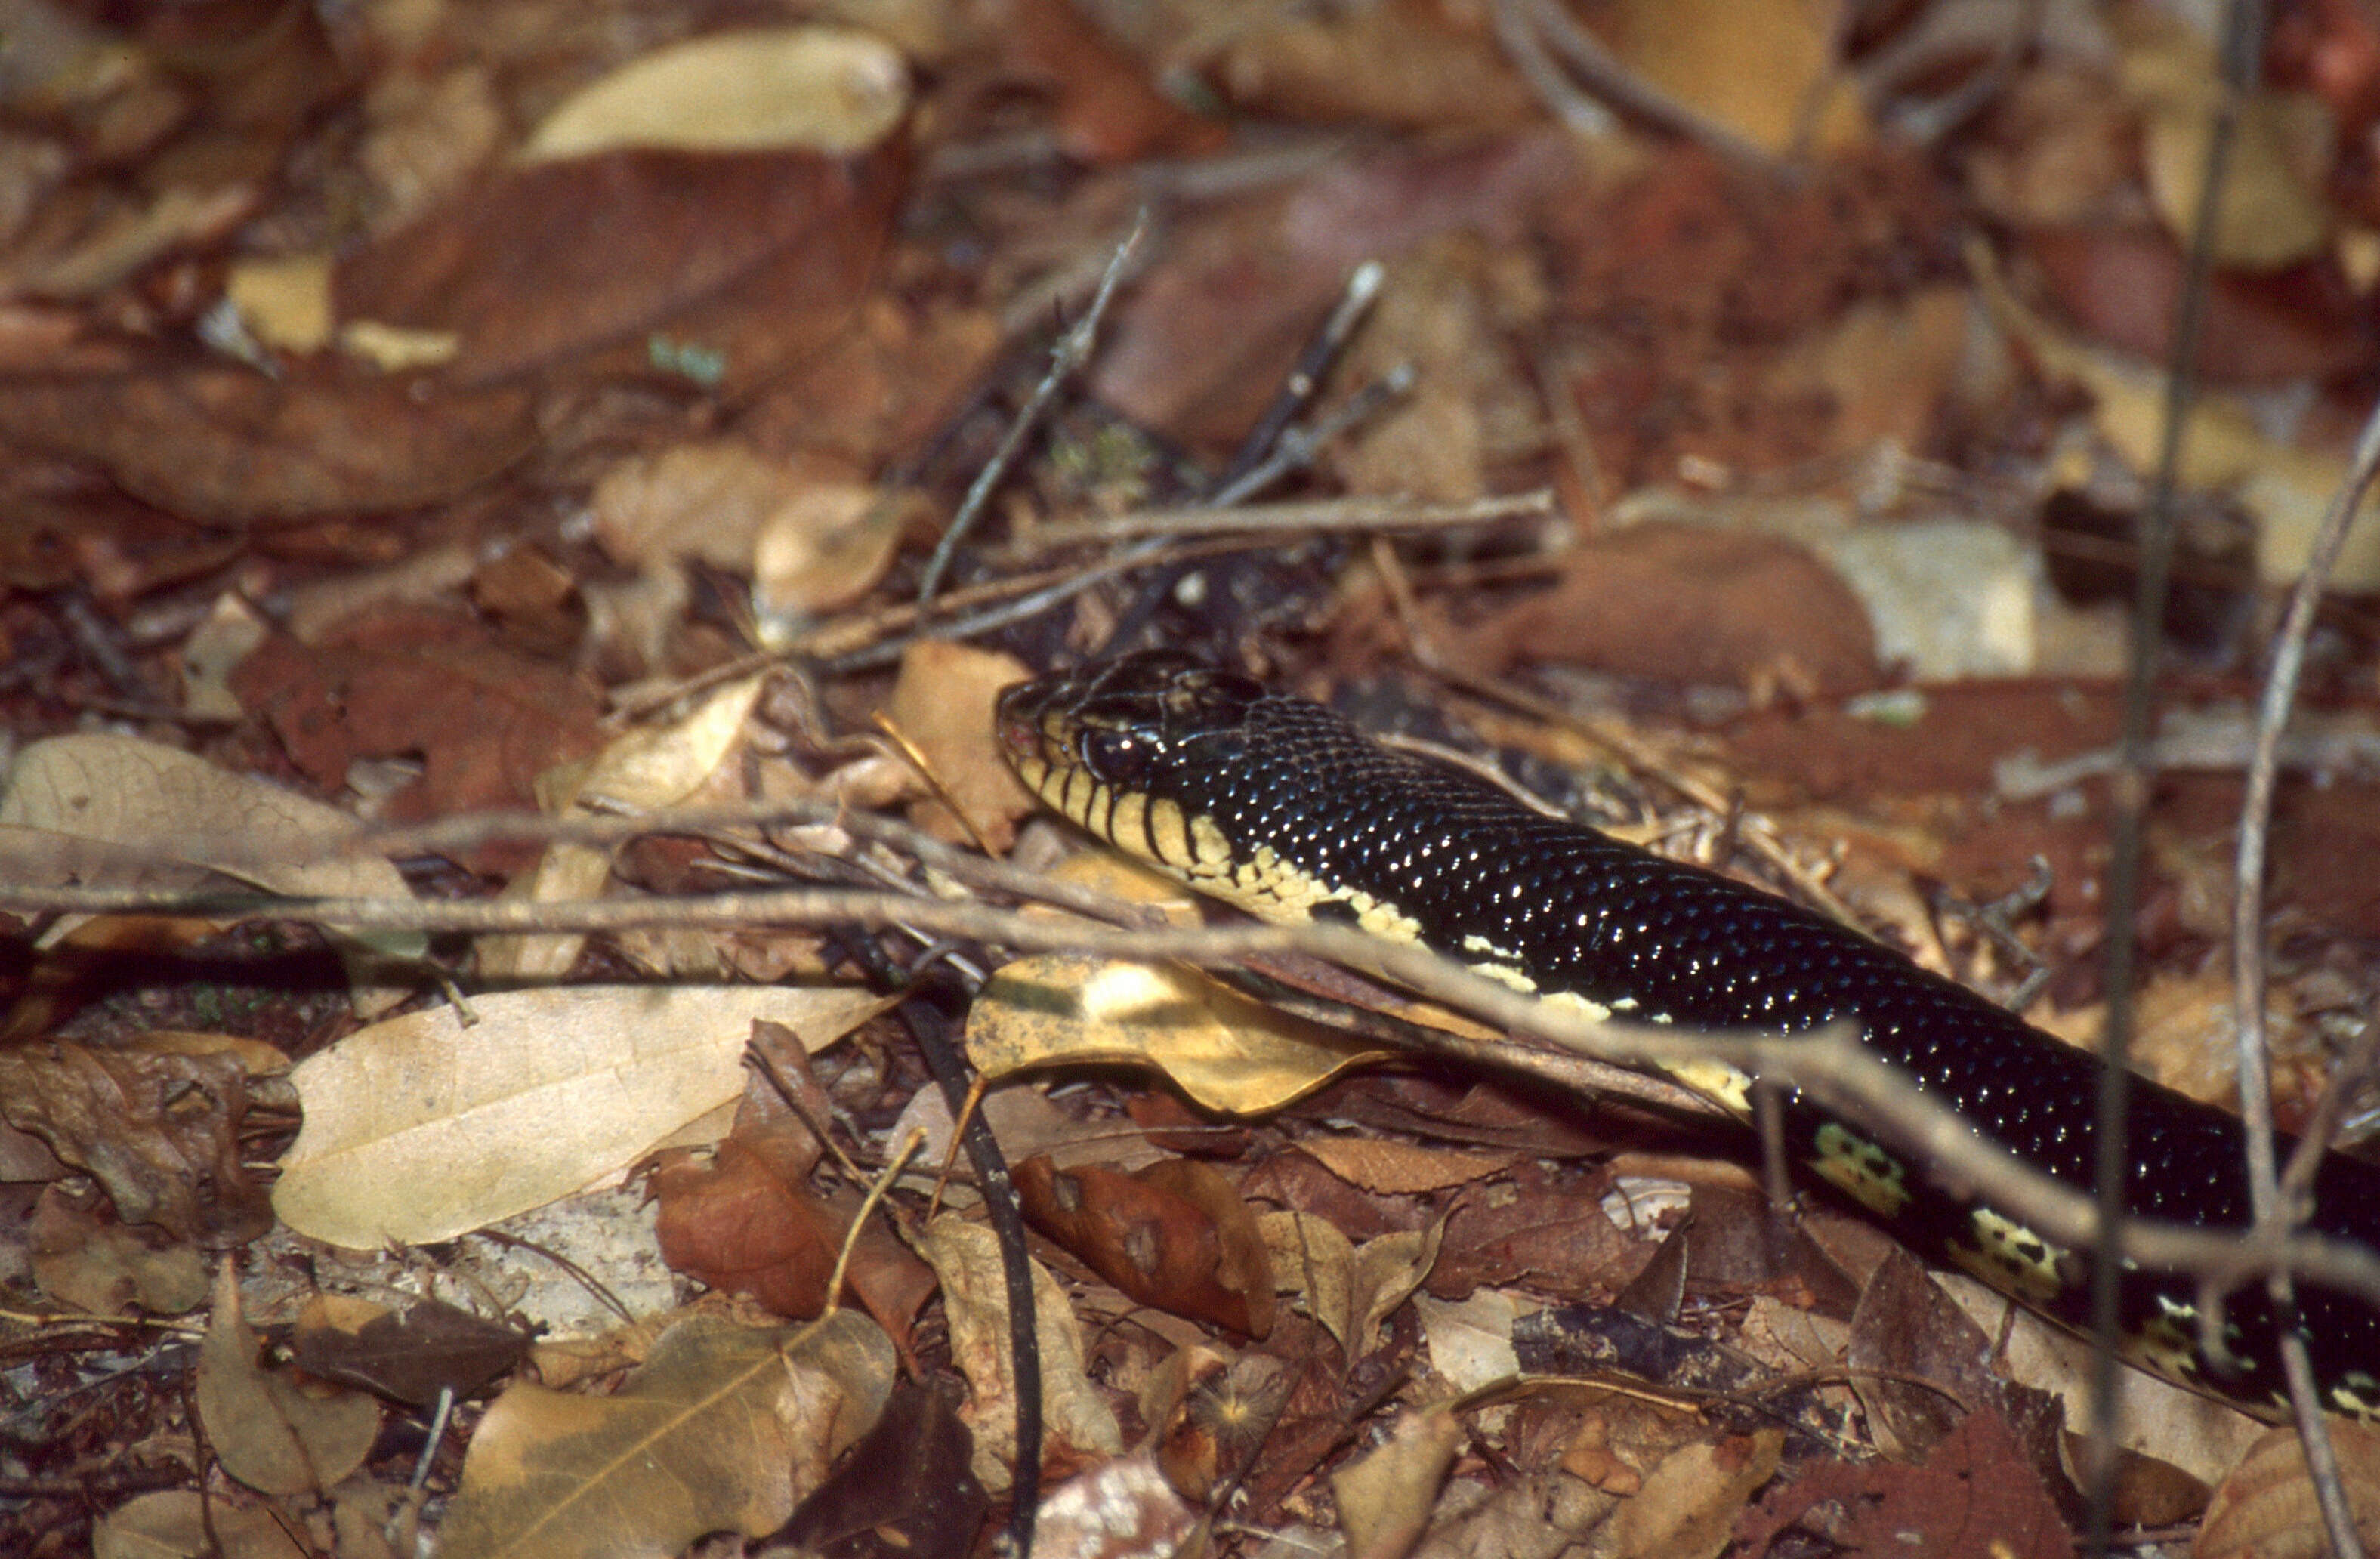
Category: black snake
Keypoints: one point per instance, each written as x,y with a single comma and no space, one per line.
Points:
1284,809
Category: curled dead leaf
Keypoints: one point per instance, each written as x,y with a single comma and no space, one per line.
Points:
1174,1236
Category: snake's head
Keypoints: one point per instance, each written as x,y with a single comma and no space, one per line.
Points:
1106,743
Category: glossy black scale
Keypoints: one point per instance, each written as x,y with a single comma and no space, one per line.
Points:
1488,878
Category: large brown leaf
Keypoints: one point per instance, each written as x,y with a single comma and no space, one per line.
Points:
211,442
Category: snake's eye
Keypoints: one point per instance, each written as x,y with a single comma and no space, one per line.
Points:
1115,757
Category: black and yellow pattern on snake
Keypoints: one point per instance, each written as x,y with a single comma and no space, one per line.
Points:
1283,808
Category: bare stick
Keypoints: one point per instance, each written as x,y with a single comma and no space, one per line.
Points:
1830,1064
1072,350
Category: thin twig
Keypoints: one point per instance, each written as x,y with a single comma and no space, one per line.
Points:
1319,516
2249,975
1831,1065
2133,777
1072,350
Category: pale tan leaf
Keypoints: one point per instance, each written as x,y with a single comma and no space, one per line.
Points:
1222,1049
420,1127
819,89
144,796
965,1258
2273,212
1311,1258
941,705
268,1430
2265,1507
722,1429
1688,1506
1385,1497
172,1524
1385,1272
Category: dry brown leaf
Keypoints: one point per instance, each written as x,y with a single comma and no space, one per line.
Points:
432,1347
159,1132
2265,1508
230,445
1174,1236
1395,62
1224,1050
2273,209
816,89
1080,1424
177,806
181,1524
83,1258
483,721
270,1432
420,1128
941,705
1766,69
701,499
1402,1168
1386,1497
1312,1259
1688,1506
646,770
742,261
2224,449
722,1429
825,549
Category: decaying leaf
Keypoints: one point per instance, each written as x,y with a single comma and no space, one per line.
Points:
270,1432
1977,1497
1349,1288
646,770
1385,1498
1224,1050
941,705
1174,1236
85,1258
906,1485
722,1429
1079,1423
484,721
420,1127
410,1357
2266,1508
159,1131
181,1524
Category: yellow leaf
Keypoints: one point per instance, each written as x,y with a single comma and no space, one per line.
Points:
1220,1048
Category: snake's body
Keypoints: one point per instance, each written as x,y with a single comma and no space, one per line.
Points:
1279,806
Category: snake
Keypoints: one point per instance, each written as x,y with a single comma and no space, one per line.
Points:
1283,807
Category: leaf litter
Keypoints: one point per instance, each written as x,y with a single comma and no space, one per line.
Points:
427,418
